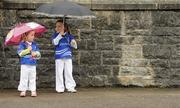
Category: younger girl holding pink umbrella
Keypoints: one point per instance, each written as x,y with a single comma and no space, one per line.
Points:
28,51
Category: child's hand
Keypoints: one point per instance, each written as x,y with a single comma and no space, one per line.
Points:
62,33
74,44
30,48
33,54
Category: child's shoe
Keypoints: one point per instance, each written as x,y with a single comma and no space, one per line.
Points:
60,91
33,94
23,94
72,90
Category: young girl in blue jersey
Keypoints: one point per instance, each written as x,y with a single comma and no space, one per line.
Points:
64,42
28,52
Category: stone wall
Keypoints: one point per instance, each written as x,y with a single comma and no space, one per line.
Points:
128,44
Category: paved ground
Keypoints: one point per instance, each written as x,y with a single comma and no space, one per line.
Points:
95,98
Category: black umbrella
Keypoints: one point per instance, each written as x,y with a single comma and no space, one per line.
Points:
64,9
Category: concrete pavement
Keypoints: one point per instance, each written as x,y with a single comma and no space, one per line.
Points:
95,98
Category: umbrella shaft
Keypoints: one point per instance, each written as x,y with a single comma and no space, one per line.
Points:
64,19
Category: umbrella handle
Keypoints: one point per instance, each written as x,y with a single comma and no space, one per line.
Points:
64,19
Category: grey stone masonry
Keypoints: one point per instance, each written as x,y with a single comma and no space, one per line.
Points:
129,43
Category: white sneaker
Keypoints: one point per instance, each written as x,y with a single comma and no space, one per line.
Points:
23,94
33,94
72,90
60,91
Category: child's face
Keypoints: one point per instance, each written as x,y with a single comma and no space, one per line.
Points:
30,36
59,27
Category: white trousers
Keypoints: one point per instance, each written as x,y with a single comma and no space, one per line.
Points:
27,78
66,65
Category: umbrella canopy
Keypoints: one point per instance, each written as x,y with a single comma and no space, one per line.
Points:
14,36
64,9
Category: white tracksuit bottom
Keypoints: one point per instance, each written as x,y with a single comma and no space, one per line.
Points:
66,65
27,78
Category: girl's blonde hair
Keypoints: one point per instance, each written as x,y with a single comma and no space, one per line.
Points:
24,36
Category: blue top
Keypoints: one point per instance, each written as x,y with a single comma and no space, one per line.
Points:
27,59
63,49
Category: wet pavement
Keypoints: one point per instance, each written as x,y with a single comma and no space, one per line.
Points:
95,98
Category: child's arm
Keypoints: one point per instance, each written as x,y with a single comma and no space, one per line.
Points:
36,54
55,41
22,52
73,44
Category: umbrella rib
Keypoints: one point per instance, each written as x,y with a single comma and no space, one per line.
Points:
61,15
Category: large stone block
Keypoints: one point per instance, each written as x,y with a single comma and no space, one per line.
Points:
91,44
175,54
111,32
112,54
139,32
88,34
111,61
132,40
79,24
157,51
90,58
172,40
134,62
94,70
143,71
161,73
163,63
165,31
105,43
165,40
166,19
10,18
132,54
99,81
107,20
175,63
138,20
131,48
136,80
